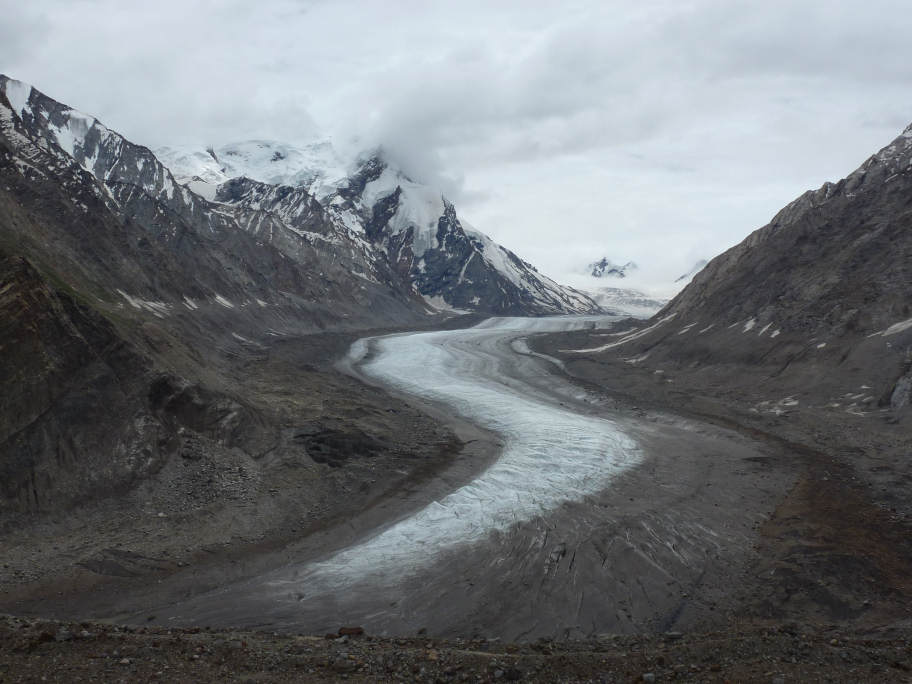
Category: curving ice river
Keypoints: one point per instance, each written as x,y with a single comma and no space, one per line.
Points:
580,524
551,454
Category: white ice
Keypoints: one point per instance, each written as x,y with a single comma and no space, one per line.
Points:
551,454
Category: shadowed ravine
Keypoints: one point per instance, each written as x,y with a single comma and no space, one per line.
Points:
582,524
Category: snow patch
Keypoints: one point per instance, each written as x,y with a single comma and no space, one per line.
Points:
897,328
420,208
159,309
686,328
623,340
440,304
73,132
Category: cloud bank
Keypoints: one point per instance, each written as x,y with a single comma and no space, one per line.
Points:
661,132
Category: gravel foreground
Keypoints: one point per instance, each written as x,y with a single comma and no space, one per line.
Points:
41,650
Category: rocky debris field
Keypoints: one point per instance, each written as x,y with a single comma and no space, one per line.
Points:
837,547
341,447
39,650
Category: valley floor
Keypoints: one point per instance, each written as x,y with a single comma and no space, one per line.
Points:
838,546
816,589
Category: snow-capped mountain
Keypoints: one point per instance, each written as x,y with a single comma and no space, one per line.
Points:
450,263
375,233
138,238
415,229
605,268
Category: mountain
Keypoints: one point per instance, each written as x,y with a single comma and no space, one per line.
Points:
812,312
409,225
604,268
127,233
697,267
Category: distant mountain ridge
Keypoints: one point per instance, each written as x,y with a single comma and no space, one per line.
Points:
605,268
626,301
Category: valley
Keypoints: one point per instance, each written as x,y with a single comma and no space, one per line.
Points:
261,389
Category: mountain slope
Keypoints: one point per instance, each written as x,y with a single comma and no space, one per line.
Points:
815,307
131,235
687,277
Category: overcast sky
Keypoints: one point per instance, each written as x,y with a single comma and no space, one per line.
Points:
661,132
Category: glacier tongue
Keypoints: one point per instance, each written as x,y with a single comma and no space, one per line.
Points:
551,455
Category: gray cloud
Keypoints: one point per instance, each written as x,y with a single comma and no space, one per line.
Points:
566,131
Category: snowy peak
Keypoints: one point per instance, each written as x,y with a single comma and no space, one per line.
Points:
605,268
317,166
54,135
450,264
